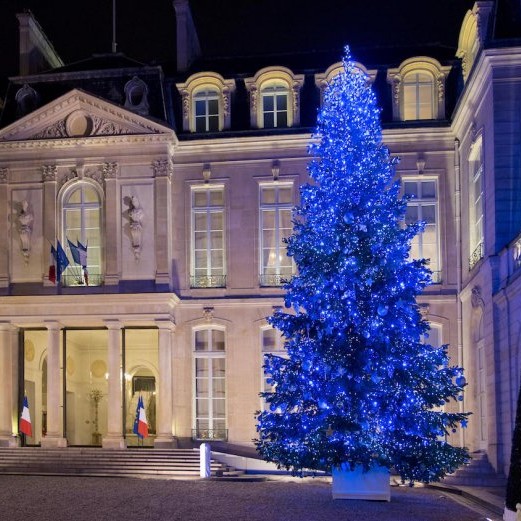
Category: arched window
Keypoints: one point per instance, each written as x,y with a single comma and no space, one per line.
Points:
81,225
136,96
209,347
476,203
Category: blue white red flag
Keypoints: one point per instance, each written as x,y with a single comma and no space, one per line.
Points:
140,423
25,420
60,259
82,252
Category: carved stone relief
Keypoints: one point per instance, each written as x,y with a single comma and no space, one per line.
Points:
163,168
4,173
25,228
49,173
476,298
109,170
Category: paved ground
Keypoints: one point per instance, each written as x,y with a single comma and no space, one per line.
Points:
30,498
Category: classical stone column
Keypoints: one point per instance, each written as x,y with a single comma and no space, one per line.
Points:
54,436
6,401
114,438
164,437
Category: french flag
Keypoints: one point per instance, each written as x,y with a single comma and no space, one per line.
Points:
140,423
25,420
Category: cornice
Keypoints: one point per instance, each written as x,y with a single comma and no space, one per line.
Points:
94,141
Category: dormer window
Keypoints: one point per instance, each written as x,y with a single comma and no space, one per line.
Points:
418,89
136,96
206,102
274,98
26,100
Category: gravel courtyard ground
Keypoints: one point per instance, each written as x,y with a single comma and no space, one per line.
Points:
30,498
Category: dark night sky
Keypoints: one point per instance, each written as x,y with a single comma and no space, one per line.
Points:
146,28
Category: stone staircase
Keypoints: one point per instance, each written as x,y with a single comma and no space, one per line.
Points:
131,462
478,473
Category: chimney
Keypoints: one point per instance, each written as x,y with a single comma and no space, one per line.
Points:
36,51
188,47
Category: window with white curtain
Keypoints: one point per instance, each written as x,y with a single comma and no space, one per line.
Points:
209,350
423,206
208,254
276,203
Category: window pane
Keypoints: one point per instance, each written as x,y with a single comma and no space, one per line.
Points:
216,197
282,119
285,195
218,387
200,124
411,214
429,213
213,123
267,195
269,120
201,365
200,108
201,387
201,343
218,367
202,407
267,103
428,189
213,107
218,340
410,189
268,340
218,408
200,198
282,102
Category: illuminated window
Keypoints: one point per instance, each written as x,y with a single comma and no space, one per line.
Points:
208,255
206,99
274,98
275,106
418,89
272,343
210,383
476,198
276,203
418,96
81,221
423,206
206,111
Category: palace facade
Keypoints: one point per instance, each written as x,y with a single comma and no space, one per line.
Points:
180,183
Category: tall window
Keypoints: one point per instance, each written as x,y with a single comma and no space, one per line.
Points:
206,111
423,206
275,106
82,222
476,204
276,201
418,96
210,384
272,343
208,259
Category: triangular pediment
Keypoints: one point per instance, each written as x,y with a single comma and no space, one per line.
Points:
78,114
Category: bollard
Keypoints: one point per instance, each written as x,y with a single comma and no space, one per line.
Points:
205,455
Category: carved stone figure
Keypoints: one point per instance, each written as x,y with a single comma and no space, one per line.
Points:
135,215
25,229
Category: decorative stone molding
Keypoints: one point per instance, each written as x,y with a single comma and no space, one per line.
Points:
207,172
95,175
163,168
476,298
25,229
49,173
57,129
4,175
208,313
424,309
135,216
72,174
109,170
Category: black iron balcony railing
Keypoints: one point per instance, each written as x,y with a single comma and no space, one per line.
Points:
273,280
436,277
210,434
208,281
74,281
476,255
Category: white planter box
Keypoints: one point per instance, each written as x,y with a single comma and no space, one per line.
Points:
356,484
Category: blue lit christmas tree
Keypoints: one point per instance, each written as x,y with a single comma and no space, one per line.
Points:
359,384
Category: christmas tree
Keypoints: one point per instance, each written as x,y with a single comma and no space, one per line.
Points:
513,495
360,385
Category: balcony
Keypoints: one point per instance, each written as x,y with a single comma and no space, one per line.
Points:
208,281
476,255
78,280
210,434
273,280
